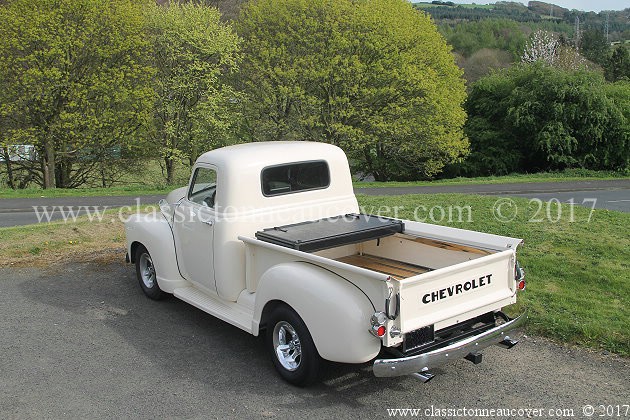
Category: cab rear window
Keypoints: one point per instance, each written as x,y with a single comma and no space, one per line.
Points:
295,177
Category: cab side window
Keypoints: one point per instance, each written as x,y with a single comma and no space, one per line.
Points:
203,189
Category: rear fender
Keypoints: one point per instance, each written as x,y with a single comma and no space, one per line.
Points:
336,312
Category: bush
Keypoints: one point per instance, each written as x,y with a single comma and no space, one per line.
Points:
537,118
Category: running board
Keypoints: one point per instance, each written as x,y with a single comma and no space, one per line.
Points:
229,312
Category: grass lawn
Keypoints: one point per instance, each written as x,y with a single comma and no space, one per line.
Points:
578,281
57,242
130,190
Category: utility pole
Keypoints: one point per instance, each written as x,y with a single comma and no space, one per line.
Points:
607,25
577,33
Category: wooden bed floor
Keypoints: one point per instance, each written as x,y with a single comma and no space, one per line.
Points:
392,268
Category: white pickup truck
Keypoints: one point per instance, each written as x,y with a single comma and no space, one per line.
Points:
269,237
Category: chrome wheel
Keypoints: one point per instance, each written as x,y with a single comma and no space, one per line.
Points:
291,346
287,346
147,271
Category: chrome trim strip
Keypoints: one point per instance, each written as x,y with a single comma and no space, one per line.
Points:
426,361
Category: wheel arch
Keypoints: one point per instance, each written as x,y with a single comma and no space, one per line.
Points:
133,250
336,312
267,310
156,236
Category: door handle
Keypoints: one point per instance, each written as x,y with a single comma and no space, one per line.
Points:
208,222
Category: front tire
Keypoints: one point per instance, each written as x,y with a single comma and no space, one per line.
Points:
291,346
145,272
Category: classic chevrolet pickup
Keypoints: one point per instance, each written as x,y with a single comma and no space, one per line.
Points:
269,238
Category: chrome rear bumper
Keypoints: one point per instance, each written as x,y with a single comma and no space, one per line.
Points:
426,361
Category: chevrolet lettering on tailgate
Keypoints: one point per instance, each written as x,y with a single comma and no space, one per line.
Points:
457,289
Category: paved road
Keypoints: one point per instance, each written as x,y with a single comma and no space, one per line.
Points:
607,194
610,194
504,189
80,341
26,211
618,200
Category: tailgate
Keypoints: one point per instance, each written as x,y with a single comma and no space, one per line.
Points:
456,293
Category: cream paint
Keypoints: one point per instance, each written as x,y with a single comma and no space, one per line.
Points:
335,299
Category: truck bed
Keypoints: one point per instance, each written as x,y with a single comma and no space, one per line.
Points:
439,275
394,268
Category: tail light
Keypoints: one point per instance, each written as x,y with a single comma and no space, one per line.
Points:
519,276
378,321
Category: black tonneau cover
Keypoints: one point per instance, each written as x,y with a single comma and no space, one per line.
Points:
331,232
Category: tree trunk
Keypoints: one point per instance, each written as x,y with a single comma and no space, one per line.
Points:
49,164
59,175
381,173
7,160
103,179
194,154
65,173
170,170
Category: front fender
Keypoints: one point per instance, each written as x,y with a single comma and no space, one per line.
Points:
336,312
154,233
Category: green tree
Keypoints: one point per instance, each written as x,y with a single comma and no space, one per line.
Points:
618,67
372,76
535,117
192,51
470,37
72,83
618,94
593,45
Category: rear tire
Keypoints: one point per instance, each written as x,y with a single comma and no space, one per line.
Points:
147,277
291,346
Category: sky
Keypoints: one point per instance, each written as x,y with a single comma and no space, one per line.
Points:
586,5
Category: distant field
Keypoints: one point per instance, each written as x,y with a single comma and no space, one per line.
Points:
467,6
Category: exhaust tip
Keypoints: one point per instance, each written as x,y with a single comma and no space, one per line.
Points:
423,377
508,343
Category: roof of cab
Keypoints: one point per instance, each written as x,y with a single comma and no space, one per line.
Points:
270,153
240,168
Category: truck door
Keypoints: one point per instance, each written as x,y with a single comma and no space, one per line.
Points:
193,228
